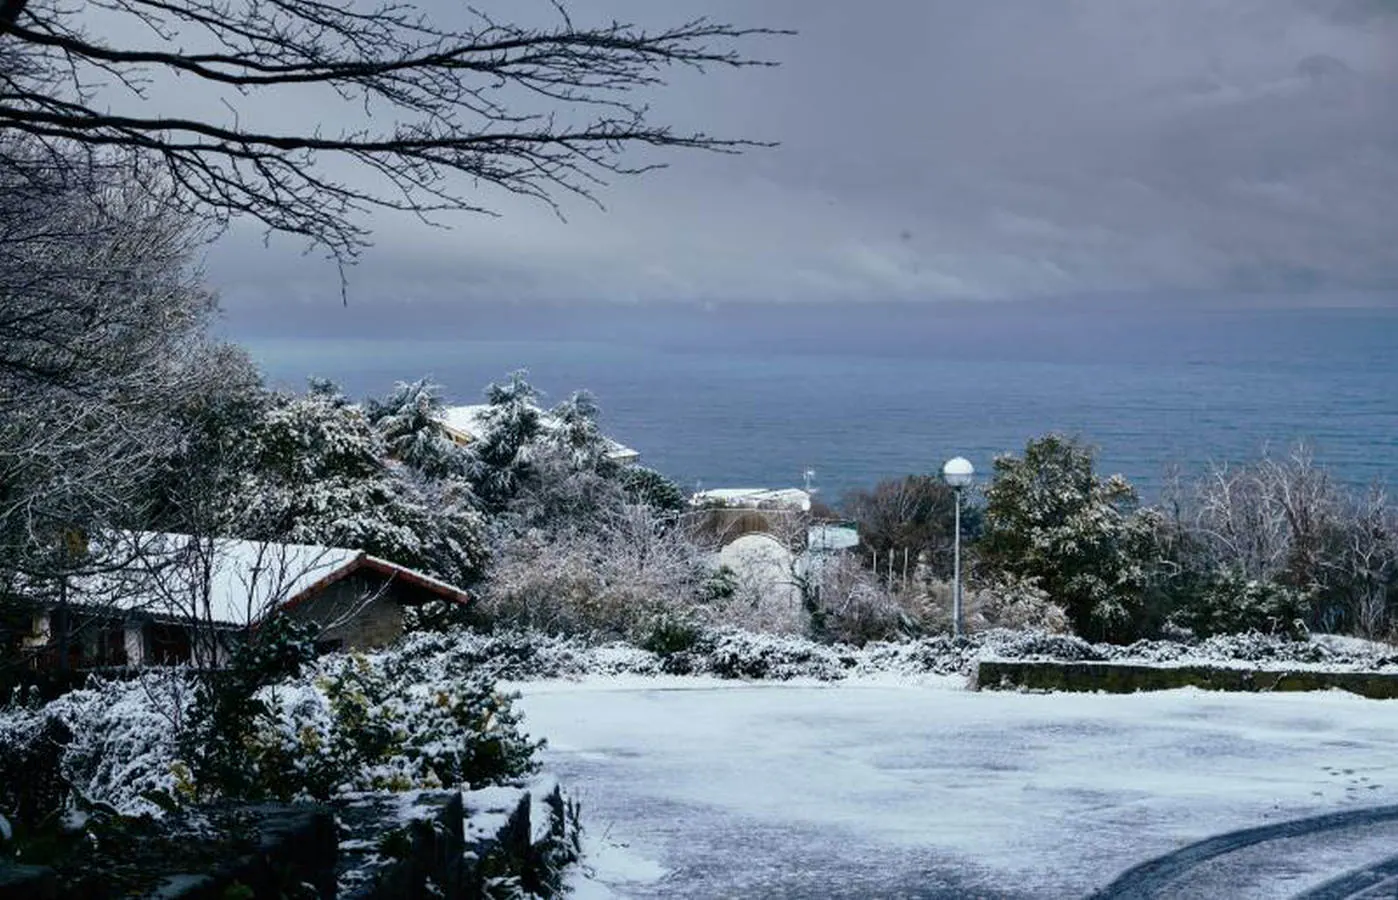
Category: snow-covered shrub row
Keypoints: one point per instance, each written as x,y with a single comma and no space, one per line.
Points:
521,656
513,656
348,723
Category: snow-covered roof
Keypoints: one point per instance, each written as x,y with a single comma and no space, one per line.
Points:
470,423
755,498
224,580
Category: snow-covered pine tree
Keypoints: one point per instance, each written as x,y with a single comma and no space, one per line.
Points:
409,419
504,454
1048,516
575,436
322,475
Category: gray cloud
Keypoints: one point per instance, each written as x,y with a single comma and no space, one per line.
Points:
942,149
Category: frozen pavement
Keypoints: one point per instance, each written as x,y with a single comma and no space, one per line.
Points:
695,788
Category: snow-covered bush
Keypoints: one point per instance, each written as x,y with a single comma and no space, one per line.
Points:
743,654
609,581
849,604
1231,603
111,742
512,656
1005,644
1016,603
354,725
424,718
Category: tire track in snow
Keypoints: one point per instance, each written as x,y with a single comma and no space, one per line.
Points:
1359,883
1152,879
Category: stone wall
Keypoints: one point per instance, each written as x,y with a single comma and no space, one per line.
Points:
278,849
1118,678
449,845
443,845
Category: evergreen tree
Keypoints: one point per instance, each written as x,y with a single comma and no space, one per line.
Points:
504,454
1050,518
321,474
409,420
573,434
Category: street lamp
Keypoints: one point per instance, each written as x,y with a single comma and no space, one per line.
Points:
957,473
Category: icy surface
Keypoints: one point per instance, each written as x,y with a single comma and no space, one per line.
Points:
858,789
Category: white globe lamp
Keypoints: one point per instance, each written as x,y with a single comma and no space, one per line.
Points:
958,474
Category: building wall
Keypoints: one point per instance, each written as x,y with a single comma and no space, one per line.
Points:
362,611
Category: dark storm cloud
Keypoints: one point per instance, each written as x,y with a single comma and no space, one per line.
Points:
947,149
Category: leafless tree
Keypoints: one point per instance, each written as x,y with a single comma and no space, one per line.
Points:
1369,561
1270,520
102,328
436,110
912,515
1283,521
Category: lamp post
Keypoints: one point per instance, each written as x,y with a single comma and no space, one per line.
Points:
957,473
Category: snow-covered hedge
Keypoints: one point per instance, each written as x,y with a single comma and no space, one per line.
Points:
521,656
357,723
348,723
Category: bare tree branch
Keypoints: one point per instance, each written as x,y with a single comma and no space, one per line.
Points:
443,112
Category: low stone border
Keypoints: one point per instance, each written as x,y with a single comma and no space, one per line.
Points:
1125,678
293,845
448,844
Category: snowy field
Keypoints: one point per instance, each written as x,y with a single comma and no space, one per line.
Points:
702,788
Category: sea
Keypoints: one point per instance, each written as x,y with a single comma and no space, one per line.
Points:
840,397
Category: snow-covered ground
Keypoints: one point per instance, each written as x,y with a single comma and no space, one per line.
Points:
694,787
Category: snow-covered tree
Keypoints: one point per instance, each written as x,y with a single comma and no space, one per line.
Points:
322,475
504,454
618,575
1049,517
103,326
409,420
104,330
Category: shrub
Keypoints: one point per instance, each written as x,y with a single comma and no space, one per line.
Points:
1229,603
848,604
610,582
230,707
111,743
741,654
1017,604
353,726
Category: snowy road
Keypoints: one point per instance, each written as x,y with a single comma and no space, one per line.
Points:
711,789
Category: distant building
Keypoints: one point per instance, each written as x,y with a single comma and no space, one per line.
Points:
467,424
726,514
754,498
176,599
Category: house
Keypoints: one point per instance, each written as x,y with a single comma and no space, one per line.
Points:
467,424
168,599
725,514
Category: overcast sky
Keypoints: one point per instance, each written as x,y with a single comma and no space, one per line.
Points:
955,149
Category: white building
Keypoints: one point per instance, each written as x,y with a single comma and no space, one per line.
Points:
467,424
